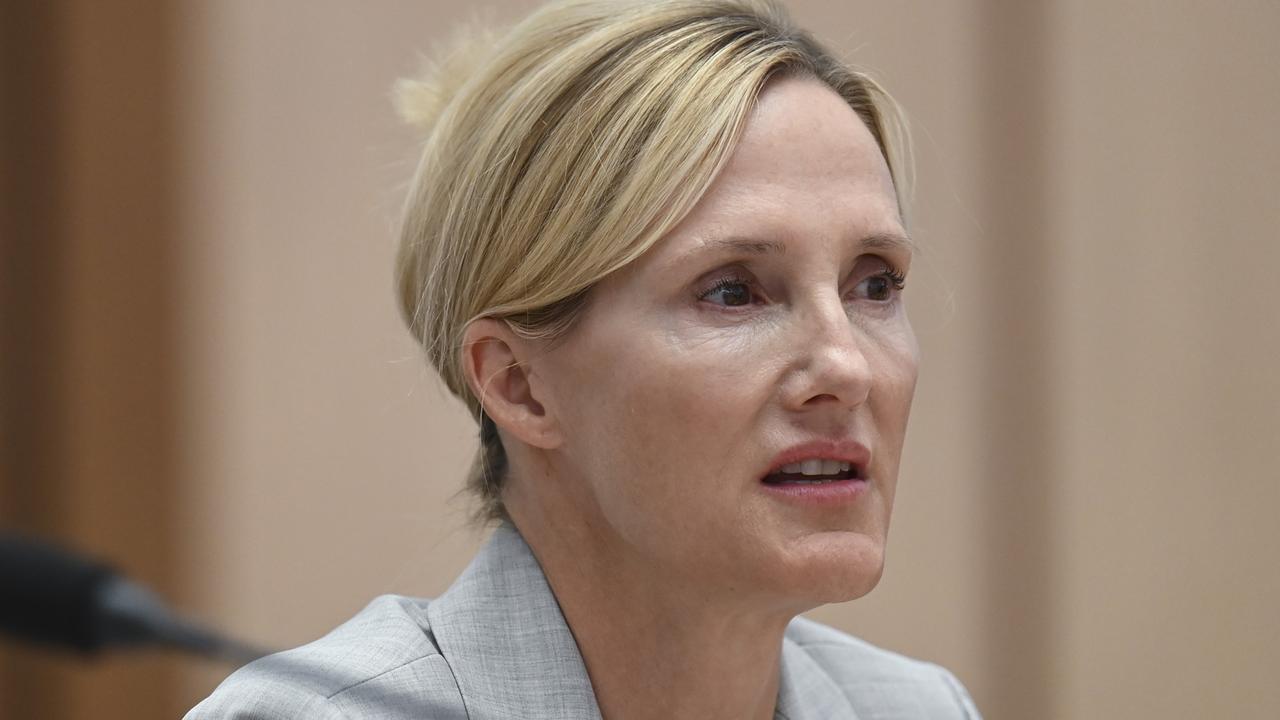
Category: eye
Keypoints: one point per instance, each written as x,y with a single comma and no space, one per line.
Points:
732,292
881,286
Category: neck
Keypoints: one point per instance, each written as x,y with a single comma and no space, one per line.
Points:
655,647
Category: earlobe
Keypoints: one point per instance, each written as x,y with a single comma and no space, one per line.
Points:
494,361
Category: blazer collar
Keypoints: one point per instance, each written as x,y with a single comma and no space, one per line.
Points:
501,631
806,691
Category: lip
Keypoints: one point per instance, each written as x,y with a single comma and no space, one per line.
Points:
850,451
831,493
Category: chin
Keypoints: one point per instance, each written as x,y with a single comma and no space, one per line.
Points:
835,567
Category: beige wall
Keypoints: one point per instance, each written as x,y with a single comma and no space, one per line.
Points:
1165,237
1084,526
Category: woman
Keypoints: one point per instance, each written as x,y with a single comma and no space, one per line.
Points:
658,250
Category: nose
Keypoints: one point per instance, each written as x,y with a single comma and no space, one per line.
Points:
831,367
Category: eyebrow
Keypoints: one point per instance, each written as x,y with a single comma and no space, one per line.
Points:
755,246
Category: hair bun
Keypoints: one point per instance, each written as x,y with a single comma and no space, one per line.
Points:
422,100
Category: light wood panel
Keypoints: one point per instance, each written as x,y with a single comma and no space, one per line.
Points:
88,371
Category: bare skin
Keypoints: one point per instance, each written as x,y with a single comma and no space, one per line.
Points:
654,650
638,445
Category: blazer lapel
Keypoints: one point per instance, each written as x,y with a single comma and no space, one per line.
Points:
501,631
806,691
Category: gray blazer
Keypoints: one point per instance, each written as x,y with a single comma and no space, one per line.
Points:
496,646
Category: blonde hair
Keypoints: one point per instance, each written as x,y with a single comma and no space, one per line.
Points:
562,150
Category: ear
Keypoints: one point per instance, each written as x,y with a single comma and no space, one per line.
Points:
495,363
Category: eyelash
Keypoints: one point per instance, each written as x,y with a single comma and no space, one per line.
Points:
720,284
896,277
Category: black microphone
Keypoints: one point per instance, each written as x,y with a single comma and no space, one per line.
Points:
54,597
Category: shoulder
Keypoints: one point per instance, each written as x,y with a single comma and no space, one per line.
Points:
384,662
880,683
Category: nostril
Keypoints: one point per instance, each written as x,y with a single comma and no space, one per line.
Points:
820,399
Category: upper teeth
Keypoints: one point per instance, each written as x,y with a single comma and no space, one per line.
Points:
816,466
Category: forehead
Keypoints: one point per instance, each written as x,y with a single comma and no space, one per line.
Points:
806,166
802,127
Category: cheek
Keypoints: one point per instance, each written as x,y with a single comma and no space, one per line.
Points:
898,372
894,363
671,413
896,369
689,406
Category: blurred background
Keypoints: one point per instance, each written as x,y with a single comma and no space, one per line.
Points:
204,379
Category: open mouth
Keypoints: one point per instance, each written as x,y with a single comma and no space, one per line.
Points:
814,472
